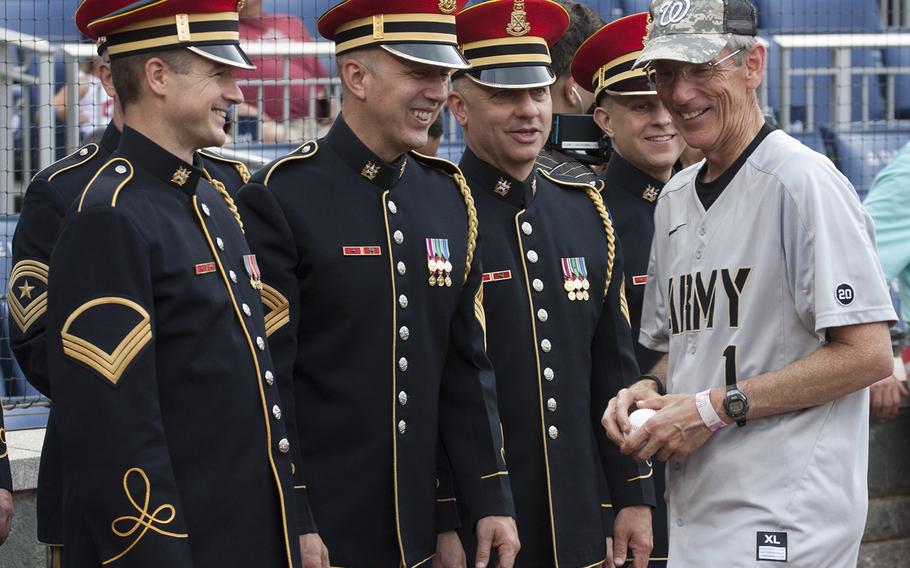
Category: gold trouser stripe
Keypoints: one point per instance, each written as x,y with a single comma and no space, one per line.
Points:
117,49
398,37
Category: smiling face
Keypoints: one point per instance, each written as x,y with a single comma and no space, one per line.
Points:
401,100
506,128
717,114
198,100
642,132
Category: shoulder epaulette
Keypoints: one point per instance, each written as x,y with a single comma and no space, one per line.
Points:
447,167
237,164
305,150
568,183
74,160
104,188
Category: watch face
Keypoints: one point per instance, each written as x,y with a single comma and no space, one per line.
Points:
736,406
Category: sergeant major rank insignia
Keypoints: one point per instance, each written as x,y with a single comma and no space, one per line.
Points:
370,171
575,278
503,187
651,194
438,263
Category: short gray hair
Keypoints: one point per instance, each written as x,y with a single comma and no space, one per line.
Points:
743,43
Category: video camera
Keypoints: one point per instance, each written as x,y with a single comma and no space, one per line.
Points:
578,136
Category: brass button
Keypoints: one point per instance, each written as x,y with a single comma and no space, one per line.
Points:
402,426
403,364
553,432
403,301
526,228
542,315
204,207
260,343
548,374
404,333
393,209
276,412
269,378
551,405
402,268
402,398
398,236
283,445
532,256
538,285
545,345
247,310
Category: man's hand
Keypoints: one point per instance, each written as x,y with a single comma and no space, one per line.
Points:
616,416
632,530
313,552
608,562
6,514
674,432
499,533
885,398
449,552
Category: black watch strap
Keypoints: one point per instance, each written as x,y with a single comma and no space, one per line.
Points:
661,390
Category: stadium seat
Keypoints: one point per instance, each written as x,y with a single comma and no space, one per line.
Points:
635,6
862,150
821,16
900,57
49,19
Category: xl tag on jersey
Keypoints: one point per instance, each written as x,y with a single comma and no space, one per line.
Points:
771,546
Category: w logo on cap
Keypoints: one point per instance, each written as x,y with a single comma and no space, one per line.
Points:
673,12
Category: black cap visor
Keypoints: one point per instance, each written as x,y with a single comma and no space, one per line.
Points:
438,54
516,77
228,54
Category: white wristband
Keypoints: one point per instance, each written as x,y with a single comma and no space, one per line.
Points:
706,411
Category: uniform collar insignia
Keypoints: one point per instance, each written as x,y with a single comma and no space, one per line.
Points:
181,176
651,193
518,23
503,187
404,164
447,6
370,171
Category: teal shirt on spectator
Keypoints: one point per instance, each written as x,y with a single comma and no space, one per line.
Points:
888,203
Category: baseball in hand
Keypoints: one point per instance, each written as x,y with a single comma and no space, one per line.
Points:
639,417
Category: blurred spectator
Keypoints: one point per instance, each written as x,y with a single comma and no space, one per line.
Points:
888,203
256,25
568,97
434,137
96,107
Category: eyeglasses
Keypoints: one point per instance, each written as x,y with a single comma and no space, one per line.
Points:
695,74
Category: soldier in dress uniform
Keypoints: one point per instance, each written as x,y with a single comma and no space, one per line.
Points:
558,328
645,148
372,283
165,395
6,485
48,197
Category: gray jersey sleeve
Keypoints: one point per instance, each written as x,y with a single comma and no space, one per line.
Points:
829,251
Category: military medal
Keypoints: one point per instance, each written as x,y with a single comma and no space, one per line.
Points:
252,269
568,278
438,263
575,278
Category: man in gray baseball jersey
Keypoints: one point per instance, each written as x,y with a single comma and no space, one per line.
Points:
764,289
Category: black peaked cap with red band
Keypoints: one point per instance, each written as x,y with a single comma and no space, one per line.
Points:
507,42
417,30
603,63
209,28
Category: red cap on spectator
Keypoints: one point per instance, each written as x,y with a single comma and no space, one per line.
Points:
206,27
419,30
603,63
508,42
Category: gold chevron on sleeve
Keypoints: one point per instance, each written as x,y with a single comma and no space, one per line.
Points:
109,365
480,314
277,309
624,303
26,316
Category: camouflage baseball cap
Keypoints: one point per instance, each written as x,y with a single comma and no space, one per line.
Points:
694,31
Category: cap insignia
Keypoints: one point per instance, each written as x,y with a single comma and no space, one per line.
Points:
651,194
240,4
503,187
447,6
518,24
370,171
181,176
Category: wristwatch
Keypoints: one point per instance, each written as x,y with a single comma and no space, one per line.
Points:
736,405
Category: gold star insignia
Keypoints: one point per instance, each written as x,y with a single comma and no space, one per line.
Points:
26,290
370,171
651,194
181,176
503,187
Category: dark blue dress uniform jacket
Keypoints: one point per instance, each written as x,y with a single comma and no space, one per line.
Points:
47,199
558,361
384,364
165,394
631,196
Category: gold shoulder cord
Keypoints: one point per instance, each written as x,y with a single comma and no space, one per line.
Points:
608,228
227,199
472,220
